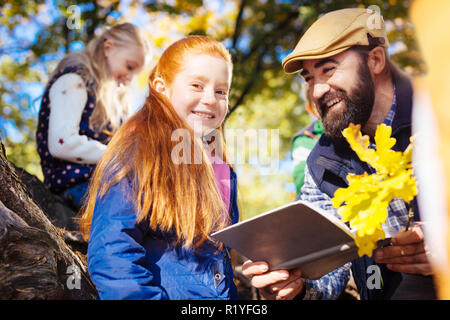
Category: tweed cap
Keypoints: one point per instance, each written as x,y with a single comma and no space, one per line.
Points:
336,32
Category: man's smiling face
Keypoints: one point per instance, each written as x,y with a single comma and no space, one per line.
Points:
342,88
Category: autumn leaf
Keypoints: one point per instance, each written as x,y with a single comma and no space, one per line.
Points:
365,201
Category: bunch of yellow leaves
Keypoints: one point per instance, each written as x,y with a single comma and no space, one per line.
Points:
368,196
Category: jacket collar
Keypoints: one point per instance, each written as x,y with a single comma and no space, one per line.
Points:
404,100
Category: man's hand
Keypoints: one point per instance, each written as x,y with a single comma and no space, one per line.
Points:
407,253
277,284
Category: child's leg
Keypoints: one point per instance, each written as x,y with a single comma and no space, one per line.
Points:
75,195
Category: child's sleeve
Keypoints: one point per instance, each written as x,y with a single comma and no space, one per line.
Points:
68,98
116,256
301,148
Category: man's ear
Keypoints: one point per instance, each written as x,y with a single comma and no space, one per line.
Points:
160,85
377,60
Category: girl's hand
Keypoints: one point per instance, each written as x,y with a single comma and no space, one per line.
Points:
273,285
407,253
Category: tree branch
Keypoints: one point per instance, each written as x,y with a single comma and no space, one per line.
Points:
238,24
249,84
262,46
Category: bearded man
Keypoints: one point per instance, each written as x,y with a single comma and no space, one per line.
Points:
343,58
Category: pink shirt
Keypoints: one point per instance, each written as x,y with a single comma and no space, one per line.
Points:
222,175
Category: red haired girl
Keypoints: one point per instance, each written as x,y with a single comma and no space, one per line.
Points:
149,214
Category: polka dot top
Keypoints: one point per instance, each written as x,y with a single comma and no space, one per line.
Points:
60,175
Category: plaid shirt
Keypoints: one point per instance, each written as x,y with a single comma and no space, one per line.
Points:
331,285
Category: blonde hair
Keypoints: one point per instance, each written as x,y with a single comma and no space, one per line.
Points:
112,102
179,197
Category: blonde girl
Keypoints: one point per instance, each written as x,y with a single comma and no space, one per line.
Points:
84,103
149,215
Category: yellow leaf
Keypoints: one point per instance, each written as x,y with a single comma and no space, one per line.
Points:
358,142
383,138
364,203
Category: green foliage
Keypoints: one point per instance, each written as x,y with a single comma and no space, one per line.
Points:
276,106
15,12
15,108
254,195
24,155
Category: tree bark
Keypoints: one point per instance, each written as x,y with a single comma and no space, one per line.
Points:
36,262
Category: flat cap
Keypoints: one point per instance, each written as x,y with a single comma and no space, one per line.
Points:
336,32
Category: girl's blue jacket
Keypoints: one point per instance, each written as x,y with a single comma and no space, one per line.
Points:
127,260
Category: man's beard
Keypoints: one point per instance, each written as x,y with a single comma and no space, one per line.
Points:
358,105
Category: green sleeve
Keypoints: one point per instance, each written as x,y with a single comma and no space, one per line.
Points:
301,147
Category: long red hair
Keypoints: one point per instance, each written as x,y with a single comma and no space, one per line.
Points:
179,198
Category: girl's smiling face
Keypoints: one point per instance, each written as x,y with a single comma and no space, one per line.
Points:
199,93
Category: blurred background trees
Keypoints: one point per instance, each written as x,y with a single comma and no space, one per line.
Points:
259,34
